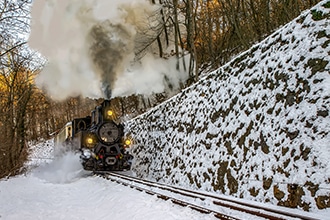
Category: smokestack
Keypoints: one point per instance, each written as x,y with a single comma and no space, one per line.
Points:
106,103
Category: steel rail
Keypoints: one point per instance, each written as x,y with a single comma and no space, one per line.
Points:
176,201
241,206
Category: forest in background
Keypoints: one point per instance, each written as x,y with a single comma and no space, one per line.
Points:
211,31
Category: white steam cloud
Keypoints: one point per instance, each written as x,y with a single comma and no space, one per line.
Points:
91,46
65,168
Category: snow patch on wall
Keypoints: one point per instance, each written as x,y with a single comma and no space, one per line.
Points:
257,128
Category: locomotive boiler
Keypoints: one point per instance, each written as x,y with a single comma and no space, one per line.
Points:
99,139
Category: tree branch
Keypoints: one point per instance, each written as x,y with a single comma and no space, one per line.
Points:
14,47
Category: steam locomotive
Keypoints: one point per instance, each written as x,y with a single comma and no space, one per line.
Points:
99,139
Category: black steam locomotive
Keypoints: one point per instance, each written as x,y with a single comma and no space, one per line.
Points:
100,140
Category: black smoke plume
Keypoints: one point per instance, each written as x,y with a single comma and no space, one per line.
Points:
110,44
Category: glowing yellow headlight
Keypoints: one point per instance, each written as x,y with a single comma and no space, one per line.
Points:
109,113
90,140
128,142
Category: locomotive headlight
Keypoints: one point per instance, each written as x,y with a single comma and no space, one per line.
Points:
127,142
90,140
110,113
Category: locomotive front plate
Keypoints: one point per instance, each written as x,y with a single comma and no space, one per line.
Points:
109,132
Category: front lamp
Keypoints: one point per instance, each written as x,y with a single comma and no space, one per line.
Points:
90,140
127,142
110,113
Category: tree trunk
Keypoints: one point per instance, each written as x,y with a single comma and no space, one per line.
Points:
176,30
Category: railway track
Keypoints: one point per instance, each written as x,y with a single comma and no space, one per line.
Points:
219,206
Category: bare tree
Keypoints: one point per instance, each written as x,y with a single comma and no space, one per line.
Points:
224,28
17,89
190,26
17,69
14,23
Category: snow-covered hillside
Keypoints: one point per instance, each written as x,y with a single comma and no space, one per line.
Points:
257,128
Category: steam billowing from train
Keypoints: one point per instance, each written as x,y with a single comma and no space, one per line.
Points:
109,44
92,46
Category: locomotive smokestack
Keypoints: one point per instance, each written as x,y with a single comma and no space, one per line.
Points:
106,103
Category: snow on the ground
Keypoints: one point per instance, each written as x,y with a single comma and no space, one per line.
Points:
32,197
295,121
58,188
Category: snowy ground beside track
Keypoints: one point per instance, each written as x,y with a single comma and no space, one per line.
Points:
56,187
